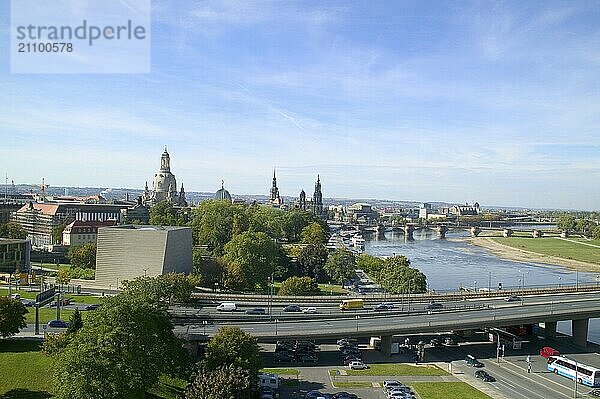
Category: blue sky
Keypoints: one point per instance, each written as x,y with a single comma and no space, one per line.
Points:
497,102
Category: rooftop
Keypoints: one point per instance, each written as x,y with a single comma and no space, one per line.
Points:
147,227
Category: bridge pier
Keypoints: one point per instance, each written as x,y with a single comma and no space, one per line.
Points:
380,230
550,329
441,231
386,345
408,232
537,233
580,331
475,231
507,233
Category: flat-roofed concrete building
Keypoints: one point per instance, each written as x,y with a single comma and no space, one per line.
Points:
14,256
130,251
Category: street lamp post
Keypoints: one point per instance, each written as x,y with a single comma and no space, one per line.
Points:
276,321
357,317
145,272
475,285
489,281
204,323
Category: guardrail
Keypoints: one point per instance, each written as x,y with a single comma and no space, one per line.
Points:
425,297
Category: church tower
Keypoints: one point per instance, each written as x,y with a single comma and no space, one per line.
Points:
274,198
317,200
302,200
165,162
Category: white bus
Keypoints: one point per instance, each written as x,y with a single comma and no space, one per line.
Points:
586,375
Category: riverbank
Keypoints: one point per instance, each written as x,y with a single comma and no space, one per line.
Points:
521,255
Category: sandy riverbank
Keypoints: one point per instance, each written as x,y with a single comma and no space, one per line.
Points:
519,255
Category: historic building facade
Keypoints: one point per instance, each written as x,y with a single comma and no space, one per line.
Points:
164,186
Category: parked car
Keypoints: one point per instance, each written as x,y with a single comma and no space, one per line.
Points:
15,296
392,383
344,395
484,376
93,306
547,352
512,298
313,395
350,359
292,308
308,358
258,311
358,365
28,303
473,362
435,342
58,324
434,306
309,310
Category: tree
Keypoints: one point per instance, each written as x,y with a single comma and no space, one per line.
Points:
294,221
369,264
83,256
12,316
251,259
267,220
163,214
231,345
12,230
295,286
225,382
566,222
396,276
57,233
164,288
311,260
596,233
120,352
313,234
213,224
75,322
63,276
208,269
341,265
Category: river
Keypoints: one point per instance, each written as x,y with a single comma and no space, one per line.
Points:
450,264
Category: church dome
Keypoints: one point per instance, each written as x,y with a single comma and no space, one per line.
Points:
222,194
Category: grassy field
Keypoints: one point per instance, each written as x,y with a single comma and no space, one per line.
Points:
280,371
554,247
447,390
26,373
326,289
390,369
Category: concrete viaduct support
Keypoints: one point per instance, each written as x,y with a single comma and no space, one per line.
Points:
550,329
386,345
408,232
580,331
441,231
475,231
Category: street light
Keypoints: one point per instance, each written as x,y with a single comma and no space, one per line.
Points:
357,317
204,323
276,321
145,270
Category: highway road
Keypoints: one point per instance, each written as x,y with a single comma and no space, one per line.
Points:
498,313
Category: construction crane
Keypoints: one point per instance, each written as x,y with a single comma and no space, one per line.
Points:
43,188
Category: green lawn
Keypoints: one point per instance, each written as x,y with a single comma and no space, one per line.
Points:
331,289
447,390
391,369
280,371
47,314
26,373
554,247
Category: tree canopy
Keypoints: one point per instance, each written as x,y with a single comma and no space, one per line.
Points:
83,256
298,286
394,274
311,261
164,288
314,233
12,230
231,345
164,214
251,259
224,382
340,265
12,316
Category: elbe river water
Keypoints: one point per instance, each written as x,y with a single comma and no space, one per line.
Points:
450,264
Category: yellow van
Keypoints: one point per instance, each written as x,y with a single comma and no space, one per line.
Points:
348,304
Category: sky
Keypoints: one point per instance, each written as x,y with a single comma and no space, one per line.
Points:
458,101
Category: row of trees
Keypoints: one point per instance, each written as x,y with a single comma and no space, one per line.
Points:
394,274
12,230
585,226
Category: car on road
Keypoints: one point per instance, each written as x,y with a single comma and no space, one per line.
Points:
434,306
308,358
512,298
484,376
449,342
358,365
383,306
392,383
15,296
292,308
399,395
350,359
309,310
58,324
473,362
28,303
227,307
347,341
435,342
548,352
93,306
257,311
313,395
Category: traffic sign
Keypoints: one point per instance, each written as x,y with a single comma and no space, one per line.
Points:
44,297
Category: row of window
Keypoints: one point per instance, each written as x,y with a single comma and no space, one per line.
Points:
571,366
